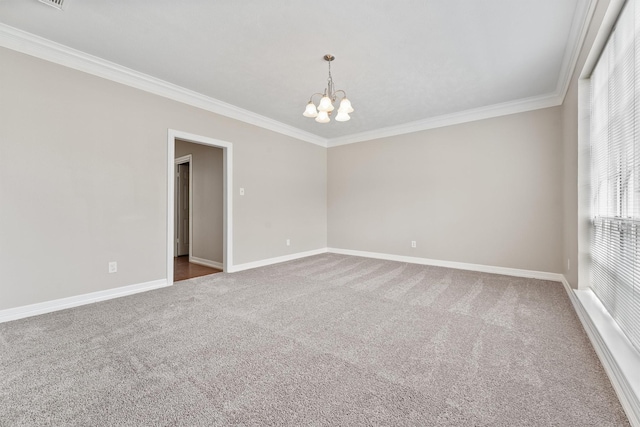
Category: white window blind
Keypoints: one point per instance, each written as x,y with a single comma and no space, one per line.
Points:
615,174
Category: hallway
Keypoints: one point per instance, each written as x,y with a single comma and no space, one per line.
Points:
183,269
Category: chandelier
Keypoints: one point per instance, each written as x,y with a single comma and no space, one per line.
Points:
325,107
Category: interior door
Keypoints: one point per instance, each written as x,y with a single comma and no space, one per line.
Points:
182,197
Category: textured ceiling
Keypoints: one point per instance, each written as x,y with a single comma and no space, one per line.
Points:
399,61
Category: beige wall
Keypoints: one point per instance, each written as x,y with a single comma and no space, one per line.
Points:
207,192
83,181
570,155
485,192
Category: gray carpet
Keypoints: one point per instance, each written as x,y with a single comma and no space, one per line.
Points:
325,340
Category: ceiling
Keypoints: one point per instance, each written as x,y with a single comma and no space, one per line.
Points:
401,62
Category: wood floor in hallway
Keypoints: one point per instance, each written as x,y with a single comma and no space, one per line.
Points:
183,269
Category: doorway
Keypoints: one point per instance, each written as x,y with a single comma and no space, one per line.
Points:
183,196
180,201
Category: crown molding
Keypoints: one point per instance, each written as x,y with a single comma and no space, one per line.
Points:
30,44
582,18
606,26
490,111
39,47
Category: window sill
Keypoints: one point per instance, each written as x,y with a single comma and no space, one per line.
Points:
618,356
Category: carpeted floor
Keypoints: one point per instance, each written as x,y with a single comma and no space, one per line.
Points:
325,340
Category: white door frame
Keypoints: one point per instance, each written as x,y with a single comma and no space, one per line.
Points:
179,161
227,174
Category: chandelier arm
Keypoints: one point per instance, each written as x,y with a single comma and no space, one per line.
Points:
330,95
317,93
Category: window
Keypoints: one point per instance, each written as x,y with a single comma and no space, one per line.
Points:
615,174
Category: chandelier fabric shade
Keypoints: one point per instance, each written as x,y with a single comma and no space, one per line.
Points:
325,107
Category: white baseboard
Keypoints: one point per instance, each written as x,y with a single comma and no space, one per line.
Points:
556,277
619,358
75,301
60,304
276,260
205,262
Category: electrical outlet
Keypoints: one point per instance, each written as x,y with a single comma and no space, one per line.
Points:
288,242
113,267
413,244
242,191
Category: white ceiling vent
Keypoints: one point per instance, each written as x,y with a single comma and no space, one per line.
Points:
53,3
